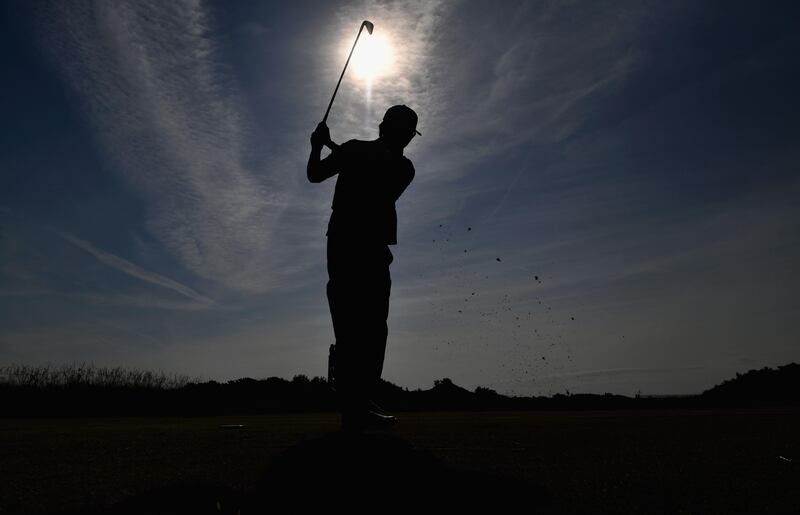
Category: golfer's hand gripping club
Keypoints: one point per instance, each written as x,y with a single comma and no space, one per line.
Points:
322,137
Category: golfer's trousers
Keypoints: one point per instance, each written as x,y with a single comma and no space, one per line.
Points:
358,291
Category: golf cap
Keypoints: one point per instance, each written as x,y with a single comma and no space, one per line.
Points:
402,115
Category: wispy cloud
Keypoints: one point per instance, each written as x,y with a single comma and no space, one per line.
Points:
524,76
170,117
136,271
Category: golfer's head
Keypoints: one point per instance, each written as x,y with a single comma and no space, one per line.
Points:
399,126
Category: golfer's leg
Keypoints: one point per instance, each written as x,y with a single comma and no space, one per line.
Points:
348,382
380,328
377,313
343,316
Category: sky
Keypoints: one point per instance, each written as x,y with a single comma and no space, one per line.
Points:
606,193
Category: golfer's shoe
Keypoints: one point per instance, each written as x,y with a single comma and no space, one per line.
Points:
375,420
369,420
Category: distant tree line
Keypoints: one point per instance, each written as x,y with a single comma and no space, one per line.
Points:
81,390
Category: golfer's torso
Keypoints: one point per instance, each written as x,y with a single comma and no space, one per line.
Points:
367,187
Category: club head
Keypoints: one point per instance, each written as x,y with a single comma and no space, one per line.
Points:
369,26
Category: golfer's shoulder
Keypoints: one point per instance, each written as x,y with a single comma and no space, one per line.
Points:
350,151
354,145
345,154
347,147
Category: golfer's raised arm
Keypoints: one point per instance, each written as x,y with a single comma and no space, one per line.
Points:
320,169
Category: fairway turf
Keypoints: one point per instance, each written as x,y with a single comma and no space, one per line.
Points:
689,461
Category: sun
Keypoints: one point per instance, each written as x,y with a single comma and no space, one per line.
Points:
373,57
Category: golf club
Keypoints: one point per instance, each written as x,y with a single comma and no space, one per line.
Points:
369,25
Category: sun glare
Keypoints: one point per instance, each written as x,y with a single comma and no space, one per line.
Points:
373,57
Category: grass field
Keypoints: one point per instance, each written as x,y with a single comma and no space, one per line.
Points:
691,461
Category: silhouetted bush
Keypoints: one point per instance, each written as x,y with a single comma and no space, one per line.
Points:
764,387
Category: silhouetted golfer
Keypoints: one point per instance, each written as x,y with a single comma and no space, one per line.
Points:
372,176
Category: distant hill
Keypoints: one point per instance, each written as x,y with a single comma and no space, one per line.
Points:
87,390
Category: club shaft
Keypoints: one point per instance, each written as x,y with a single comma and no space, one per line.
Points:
325,119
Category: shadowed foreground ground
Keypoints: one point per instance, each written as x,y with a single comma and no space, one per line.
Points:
552,462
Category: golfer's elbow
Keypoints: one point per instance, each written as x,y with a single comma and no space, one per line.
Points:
318,169
313,176
312,173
